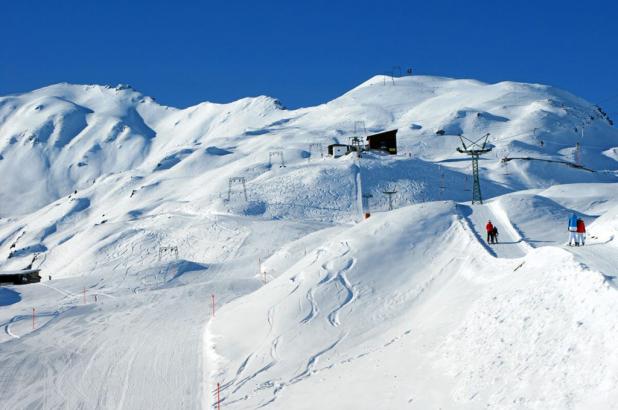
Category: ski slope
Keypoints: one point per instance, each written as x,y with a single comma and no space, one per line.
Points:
129,207
466,330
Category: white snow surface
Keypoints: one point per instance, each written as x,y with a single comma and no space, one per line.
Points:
128,208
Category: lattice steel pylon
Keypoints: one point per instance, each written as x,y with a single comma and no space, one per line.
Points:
475,151
390,194
168,250
358,138
238,180
357,145
388,75
276,154
316,147
360,130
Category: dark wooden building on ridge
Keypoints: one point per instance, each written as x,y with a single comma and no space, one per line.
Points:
20,277
384,141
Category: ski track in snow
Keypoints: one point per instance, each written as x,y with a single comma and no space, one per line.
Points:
313,361
342,279
333,273
314,308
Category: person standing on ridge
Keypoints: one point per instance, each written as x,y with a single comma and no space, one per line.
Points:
490,231
494,234
581,232
572,229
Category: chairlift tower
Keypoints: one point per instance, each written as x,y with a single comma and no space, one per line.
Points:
538,138
168,250
360,130
316,147
475,151
276,154
357,145
390,194
387,75
237,180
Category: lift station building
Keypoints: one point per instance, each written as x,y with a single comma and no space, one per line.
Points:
384,141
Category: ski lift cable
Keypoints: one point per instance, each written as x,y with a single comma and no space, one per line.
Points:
554,142
570,145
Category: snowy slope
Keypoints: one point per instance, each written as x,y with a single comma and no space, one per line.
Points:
127,157
391,314
315,308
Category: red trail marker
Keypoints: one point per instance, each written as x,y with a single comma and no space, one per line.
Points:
218,396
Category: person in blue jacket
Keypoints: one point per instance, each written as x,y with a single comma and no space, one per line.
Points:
572,230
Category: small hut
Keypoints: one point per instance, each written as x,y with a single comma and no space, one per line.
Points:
384,141
338,150
20,277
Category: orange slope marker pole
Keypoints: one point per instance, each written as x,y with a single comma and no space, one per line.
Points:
218,396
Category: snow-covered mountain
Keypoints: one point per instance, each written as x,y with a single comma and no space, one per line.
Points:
67,137
144,206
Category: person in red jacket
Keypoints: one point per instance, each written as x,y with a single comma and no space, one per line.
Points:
581,232
490,231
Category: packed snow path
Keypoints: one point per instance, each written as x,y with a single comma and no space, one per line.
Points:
510,243
540,219
140,345
136,352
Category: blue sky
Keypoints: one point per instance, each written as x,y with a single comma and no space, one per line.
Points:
305,53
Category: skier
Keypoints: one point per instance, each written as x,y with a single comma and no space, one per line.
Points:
494,234
572,229
490,231
581,232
